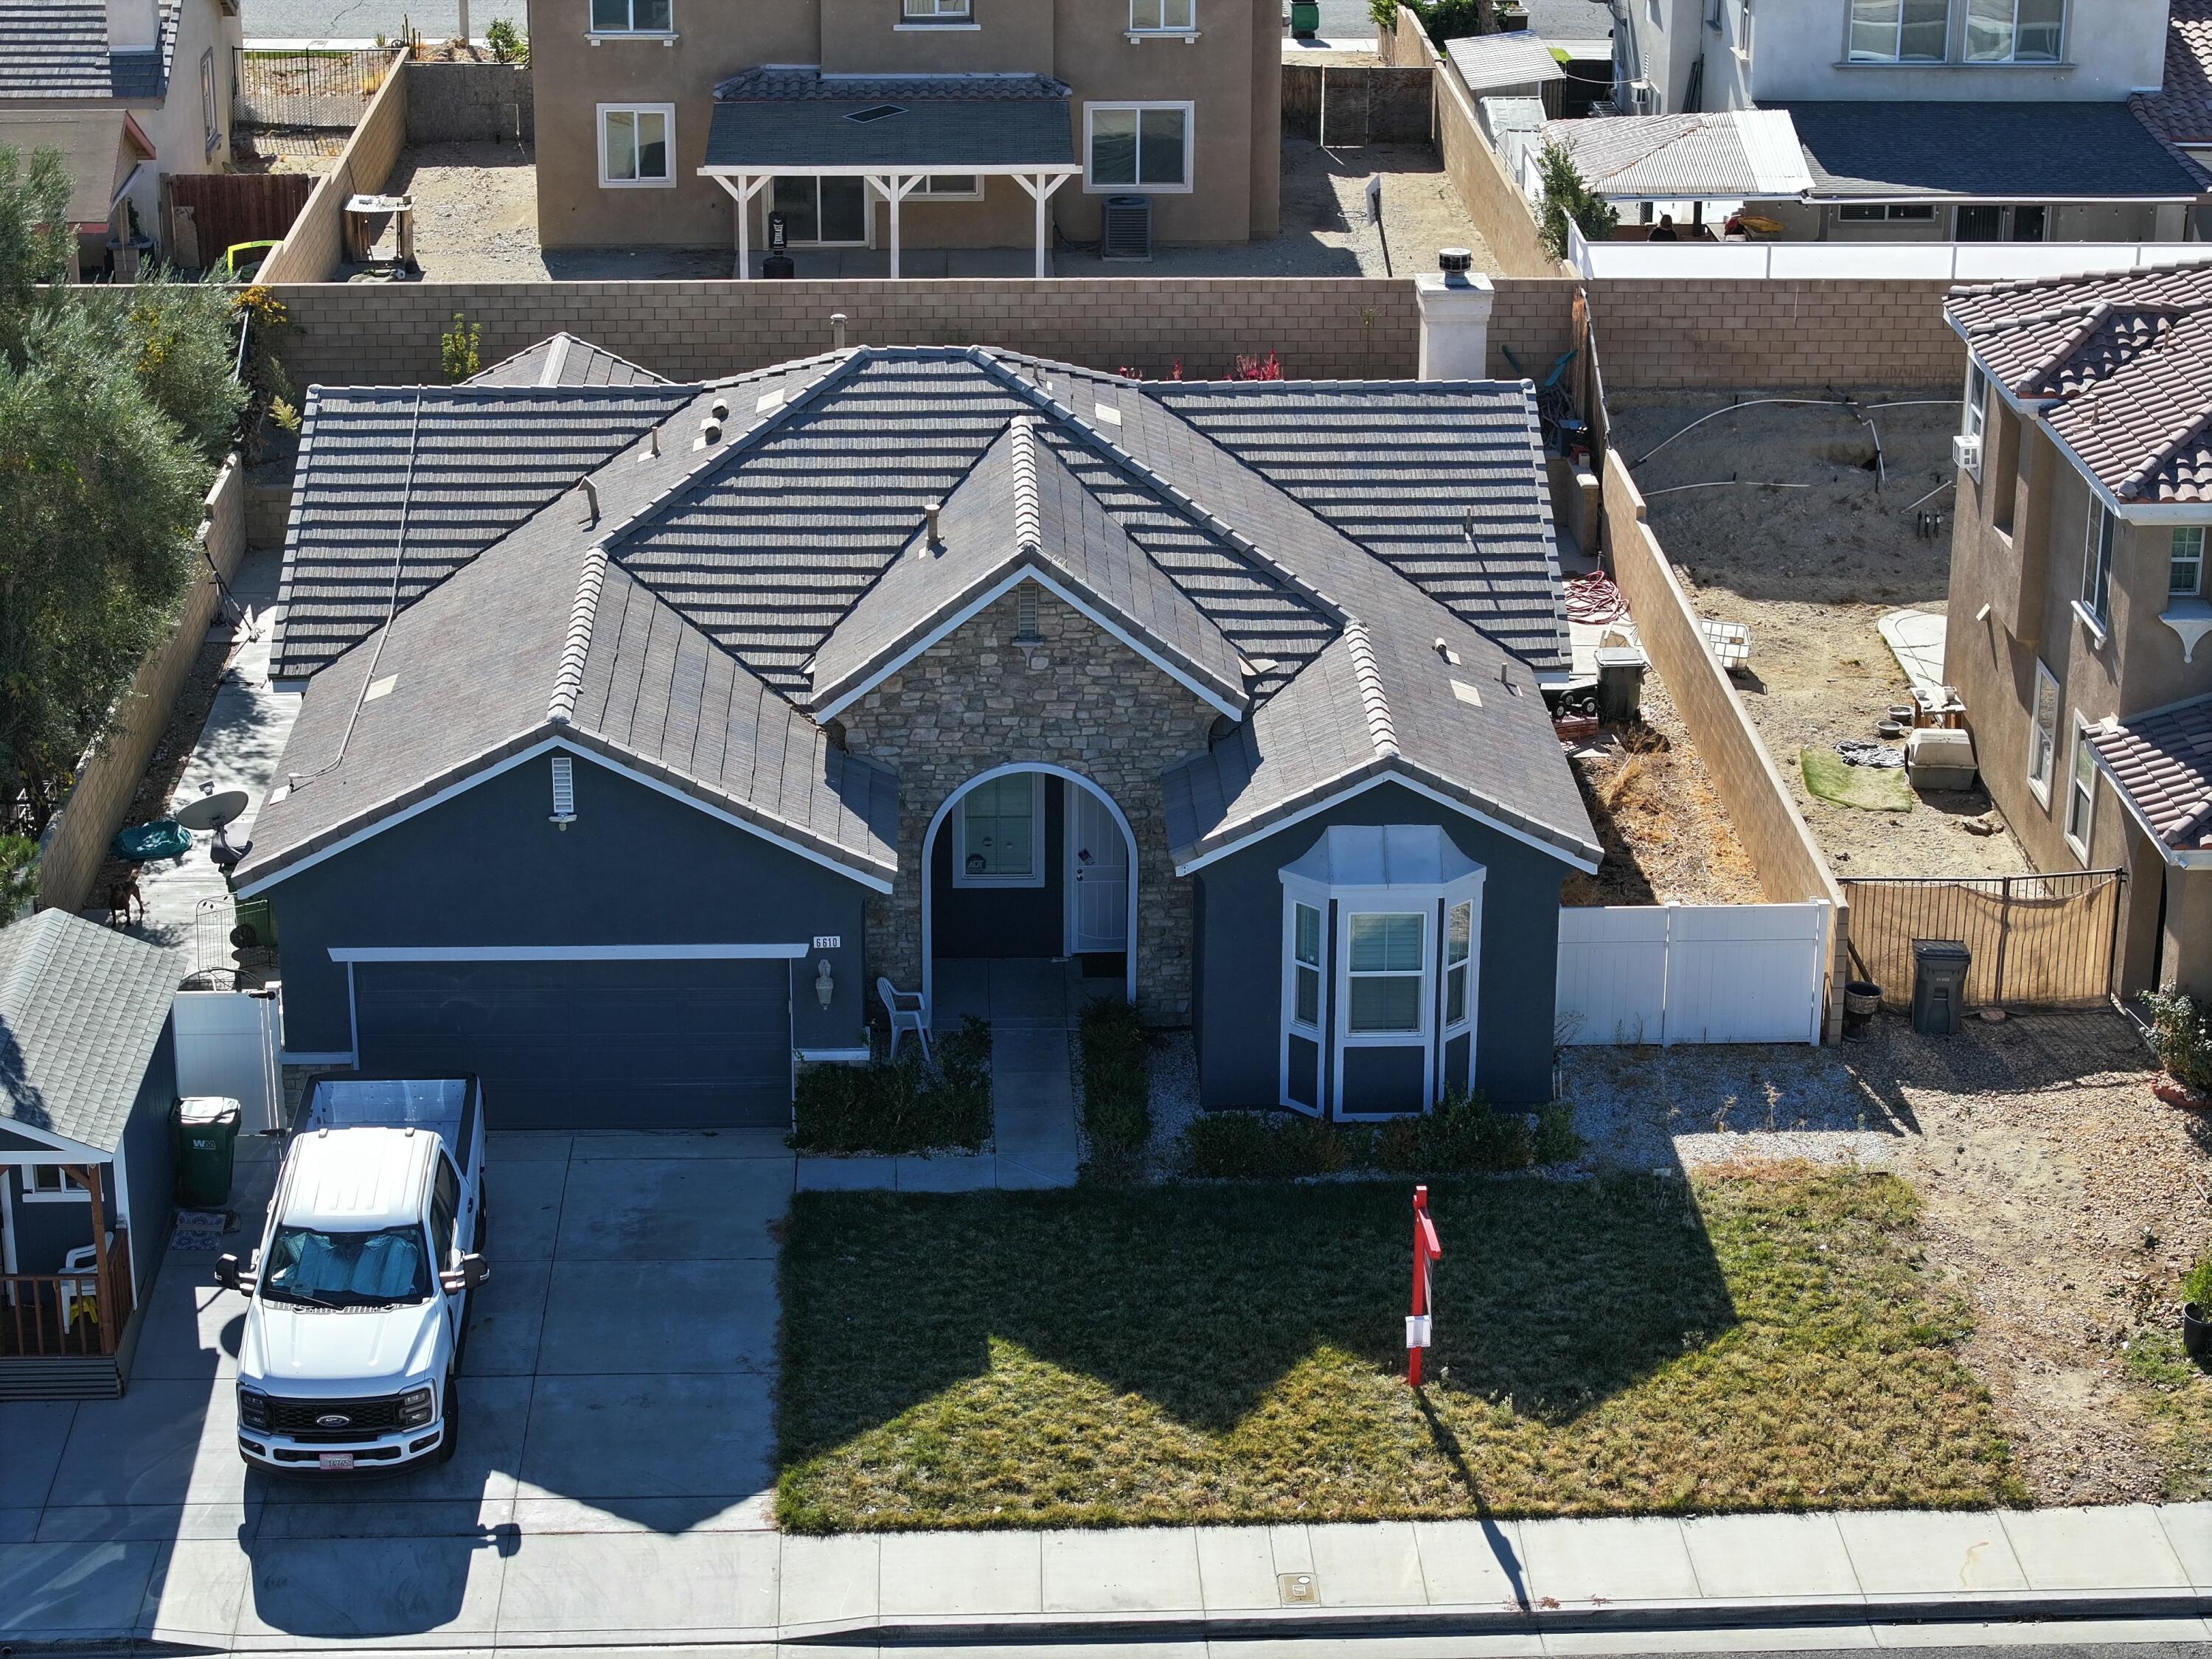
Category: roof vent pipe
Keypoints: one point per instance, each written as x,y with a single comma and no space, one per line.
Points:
720,408
710,431
652,441
591,498
837,330
932,541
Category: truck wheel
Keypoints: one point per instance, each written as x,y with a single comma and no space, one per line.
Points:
452,1443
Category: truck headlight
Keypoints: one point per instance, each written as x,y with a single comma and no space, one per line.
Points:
417,1407
253,1408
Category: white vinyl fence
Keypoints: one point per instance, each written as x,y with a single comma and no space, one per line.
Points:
1692,972
1955,262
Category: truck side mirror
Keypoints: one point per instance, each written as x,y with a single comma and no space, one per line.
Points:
472,1272
231,1277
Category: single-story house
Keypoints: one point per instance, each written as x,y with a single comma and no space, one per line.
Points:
644,726
87,1078
108,158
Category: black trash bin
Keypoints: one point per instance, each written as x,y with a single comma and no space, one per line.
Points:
1939,985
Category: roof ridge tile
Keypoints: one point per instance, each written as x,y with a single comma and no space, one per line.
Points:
1374,702
569,679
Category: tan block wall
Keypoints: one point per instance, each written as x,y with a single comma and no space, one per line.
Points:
1083,701
1791,869
1493,201
1347,328
1655,333
316,242
75,843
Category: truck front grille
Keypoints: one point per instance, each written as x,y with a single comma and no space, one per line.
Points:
302,1419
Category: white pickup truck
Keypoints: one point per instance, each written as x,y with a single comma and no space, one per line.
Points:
357,1300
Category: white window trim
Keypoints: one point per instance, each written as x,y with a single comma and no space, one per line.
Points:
962,11
2100,547
593,32
1178,32
867,210
1189,146
1297,891
2040,786
2196,590
2074,787
667,111
1394,901
922,192
1974,413
1035,878
71,1192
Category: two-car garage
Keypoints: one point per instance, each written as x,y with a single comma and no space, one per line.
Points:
594,1041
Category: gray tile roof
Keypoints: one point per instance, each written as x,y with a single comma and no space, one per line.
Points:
1253,560
2180,111
1985,150
1021,509
564,360
58,49
801,118
2162,761
1737,152
1436,480
2120,366
81,1010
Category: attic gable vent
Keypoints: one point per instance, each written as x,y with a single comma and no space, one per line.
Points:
875,113
564,791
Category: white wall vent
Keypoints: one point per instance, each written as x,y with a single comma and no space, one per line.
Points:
564,790
1025,615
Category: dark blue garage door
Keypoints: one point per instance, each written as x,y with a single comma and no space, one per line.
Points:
589,1045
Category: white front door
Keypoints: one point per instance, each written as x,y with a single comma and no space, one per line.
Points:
1097,876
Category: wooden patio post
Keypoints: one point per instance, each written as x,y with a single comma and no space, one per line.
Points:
86,1177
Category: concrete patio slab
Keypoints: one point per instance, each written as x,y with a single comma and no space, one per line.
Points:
372,1516
1473,1562
1141,1570
1235,1569
1293,1549
59,1591
507,1320
224,1520
1374,1565
605,1318
524,1217
646,1209
2122,1547
19,1526
1578,1562
504,1147
536,1514
711,1438
703,1584
973,1575
830,1581
392,1591
1924,1554
1037,1172
196,1591
164,1443
848,1175
190,1329
1793,1556
34,1432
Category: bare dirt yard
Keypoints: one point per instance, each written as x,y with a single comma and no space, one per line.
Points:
1811,568
2058,1196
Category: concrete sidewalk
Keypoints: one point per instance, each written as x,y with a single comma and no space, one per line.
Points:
1459,1586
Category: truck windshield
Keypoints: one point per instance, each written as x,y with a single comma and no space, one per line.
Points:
323,1269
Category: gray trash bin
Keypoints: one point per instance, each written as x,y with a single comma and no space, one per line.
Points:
1939,985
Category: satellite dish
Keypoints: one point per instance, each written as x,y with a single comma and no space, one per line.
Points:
212,812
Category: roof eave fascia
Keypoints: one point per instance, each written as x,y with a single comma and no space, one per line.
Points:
880,169
2179,858
53,1140
1270,821
2129,512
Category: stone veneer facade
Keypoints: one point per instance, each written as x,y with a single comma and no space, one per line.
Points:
1082,700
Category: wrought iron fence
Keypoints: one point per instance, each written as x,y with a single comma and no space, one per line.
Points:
307,87
2038,941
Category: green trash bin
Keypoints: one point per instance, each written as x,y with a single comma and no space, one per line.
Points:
207,1145
1305,19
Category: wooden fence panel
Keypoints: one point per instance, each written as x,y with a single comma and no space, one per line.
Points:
228,208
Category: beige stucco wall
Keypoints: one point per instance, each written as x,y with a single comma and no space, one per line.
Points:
1082,700
1232,74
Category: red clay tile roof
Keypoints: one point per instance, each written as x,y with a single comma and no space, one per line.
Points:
2162,761
2121,365
2180,111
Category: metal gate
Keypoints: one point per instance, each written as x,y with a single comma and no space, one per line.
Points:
2038,941
325,86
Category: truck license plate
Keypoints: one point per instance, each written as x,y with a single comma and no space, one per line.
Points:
337,1460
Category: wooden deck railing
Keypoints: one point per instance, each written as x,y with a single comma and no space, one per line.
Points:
72,1316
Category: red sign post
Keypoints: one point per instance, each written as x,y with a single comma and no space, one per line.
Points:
1426,1249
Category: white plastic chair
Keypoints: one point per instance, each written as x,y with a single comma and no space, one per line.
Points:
909,1013
79,1297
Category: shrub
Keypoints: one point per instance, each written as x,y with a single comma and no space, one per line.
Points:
2196,1284
1464,1136
1117,1113
2180,1036
460,347
19,875
1567,197
508,44
899,1106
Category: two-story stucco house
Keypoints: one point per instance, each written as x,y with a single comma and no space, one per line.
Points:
646,726
126,91
2078,600
898,124
1932,120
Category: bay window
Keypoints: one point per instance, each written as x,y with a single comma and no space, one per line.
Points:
1386,971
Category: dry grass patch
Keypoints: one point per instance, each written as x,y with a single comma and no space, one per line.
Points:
1750,1339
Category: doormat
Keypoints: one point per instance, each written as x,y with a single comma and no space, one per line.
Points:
201,1230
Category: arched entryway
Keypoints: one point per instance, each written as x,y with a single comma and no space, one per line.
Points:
1029,861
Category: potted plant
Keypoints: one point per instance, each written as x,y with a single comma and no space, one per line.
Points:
2196,1310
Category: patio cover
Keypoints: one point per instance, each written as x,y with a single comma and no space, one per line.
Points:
2002,152
1725,156
894,131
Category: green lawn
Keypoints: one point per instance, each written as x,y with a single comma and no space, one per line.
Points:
1226,1353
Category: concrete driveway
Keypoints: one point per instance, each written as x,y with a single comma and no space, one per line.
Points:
615,1446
